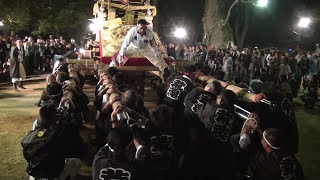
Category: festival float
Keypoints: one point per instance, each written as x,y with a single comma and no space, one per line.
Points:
113,19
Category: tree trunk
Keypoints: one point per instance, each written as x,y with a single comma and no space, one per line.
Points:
241,25
237,26
214,31
245,27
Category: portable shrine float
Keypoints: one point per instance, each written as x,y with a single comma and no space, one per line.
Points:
114,19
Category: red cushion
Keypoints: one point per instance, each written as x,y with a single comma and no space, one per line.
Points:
134,61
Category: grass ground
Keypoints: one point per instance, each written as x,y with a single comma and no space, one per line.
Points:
309,139
17,113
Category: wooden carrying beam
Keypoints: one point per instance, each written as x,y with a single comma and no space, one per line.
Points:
113,92
247,96
111,89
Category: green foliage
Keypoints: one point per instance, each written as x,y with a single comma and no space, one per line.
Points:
43,17
16,16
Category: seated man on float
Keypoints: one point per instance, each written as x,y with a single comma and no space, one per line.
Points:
141,40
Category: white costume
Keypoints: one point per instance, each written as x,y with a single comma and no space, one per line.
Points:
134,43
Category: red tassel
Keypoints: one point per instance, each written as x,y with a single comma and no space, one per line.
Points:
125,2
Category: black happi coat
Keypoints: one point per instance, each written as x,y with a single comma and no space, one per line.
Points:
177,90
268,166
220,125
218,120
193,100
106,166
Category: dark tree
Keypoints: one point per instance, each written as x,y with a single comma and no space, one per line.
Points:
43,17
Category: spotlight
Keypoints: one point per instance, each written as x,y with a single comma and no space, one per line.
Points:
304,22
180,33
262,3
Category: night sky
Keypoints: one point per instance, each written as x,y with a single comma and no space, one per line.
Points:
268,26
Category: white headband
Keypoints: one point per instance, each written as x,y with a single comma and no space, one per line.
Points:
140,25
264,137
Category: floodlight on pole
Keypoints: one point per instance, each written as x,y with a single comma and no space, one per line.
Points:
262,3
180,33
258,3
304,22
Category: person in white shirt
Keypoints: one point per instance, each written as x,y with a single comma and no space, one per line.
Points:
141,40
271,56
318,50
285,68
58,64
298,57
227,66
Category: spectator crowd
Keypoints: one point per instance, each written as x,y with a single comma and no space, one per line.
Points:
290,68
40,55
